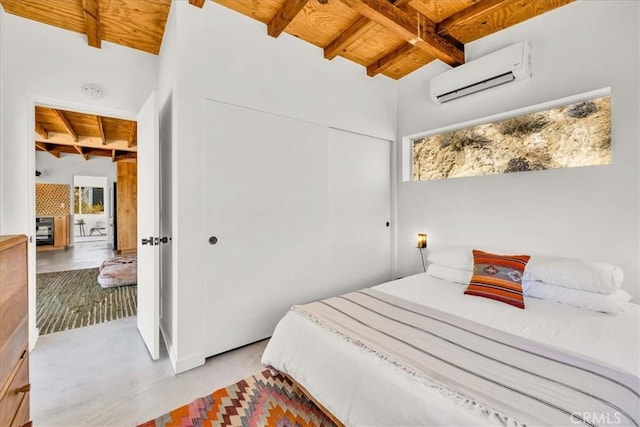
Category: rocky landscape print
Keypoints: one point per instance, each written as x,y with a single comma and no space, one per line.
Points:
562,137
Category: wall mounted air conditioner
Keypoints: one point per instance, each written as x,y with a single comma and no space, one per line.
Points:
502,66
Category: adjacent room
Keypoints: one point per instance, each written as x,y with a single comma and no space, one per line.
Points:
320,212
85,240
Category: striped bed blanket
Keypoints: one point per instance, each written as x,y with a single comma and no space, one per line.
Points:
522,379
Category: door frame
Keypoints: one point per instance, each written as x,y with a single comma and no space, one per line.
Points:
32,102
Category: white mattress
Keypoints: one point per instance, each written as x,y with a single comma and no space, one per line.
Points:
362,389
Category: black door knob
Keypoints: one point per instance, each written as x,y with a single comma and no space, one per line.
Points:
213,240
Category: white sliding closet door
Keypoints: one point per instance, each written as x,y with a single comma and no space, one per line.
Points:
360,211
278,203
265,201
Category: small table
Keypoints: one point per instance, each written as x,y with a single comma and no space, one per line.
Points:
80,223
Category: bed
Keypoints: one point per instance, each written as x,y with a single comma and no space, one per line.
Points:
432,355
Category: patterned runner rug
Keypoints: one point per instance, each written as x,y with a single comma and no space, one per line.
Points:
258,401
71,299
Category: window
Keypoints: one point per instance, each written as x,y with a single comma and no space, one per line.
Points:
88,200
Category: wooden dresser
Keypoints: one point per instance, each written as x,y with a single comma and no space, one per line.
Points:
14,333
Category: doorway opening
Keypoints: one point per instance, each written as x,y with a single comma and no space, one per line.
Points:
81,279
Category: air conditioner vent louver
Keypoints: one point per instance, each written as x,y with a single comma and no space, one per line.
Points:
503,66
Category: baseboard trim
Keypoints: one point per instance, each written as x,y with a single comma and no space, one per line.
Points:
180,365
188,363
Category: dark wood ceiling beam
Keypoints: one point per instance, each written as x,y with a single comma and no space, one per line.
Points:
132,134
197,3
97,152
124,155
92,22
354,32
420,31
469,14
284,16
41,146
101,130
40,130
65,122
389,60
80,151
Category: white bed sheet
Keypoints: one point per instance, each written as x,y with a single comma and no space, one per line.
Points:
361,389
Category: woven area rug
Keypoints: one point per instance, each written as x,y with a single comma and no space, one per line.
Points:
257,401
71,299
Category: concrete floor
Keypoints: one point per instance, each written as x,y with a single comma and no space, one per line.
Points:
76,257
102,375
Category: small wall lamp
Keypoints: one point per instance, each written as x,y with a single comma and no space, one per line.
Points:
422,241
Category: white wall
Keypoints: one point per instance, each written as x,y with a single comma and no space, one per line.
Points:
225,56
62,170
49,65
590,212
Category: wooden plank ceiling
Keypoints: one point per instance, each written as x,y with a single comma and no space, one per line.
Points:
138,24
389,37
59,131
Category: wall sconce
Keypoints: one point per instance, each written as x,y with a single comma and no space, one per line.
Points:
422,241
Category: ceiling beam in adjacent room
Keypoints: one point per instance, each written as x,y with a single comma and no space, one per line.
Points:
40,130
133,133
65,122
124,155
44,147
197,3
80,151
101,130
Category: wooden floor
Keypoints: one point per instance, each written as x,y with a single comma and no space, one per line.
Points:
102,376
76,257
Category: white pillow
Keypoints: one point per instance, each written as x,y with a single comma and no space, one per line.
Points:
450,274
574,273
606,303
460,258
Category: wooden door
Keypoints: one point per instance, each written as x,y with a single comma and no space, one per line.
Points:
127,206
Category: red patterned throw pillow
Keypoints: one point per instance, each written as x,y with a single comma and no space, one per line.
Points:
498,277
